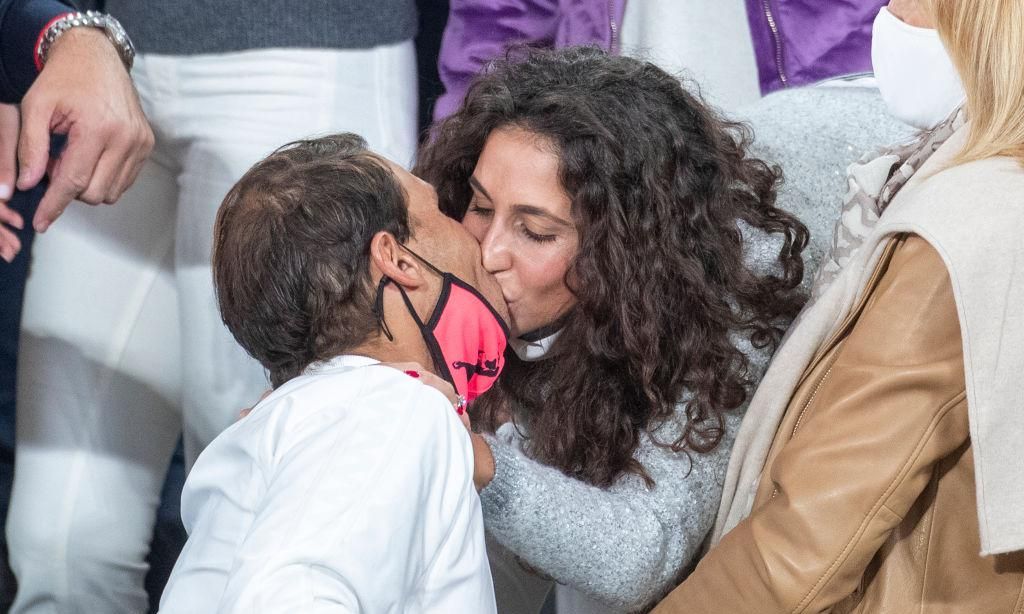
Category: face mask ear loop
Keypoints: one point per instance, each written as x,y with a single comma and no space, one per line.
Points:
378,308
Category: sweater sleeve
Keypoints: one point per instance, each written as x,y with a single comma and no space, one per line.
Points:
625,546
21,22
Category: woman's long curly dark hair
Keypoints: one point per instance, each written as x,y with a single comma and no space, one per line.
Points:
659,185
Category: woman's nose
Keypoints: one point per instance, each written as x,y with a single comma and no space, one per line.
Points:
495,252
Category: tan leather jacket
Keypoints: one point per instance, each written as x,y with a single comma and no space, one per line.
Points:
866,503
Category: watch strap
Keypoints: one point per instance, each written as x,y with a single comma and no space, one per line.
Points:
110,26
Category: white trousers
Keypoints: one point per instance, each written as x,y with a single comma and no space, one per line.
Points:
706,42
123,346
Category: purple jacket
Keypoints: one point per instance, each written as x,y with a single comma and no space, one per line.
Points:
799,42
478,31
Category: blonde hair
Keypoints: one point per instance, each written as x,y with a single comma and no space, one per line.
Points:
985,39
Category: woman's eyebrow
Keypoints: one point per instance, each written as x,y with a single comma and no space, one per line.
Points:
475,183
522,209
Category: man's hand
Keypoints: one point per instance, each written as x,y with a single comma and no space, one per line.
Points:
84,92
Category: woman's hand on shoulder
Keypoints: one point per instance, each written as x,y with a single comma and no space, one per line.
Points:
416,371
483,460
245,412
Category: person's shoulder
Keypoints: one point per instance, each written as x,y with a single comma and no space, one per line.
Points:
408,398
379,414
339,390
970,197
837,124
1000,177
315,405
347,398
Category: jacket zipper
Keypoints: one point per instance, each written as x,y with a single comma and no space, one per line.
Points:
803,411
839,333
614,27
869,287
778,42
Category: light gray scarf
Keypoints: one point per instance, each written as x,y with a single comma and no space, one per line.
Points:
874,181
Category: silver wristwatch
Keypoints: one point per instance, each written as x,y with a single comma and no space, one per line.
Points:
93,19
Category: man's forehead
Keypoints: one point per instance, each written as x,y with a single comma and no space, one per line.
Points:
404,177
420,195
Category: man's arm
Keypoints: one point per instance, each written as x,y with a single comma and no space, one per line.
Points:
84,92
21,21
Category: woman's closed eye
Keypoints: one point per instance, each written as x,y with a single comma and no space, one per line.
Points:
479,209
476,209
536,236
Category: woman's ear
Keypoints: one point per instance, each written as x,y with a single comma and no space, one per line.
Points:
389,259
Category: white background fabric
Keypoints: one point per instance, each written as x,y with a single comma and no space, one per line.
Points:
708,43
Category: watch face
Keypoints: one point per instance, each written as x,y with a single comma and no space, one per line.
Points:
118,34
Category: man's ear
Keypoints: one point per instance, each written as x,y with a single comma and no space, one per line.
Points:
389,259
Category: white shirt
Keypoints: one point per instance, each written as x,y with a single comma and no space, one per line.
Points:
349,489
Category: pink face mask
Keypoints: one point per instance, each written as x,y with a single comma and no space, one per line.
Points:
465,335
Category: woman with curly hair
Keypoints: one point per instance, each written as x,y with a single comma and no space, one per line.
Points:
649,275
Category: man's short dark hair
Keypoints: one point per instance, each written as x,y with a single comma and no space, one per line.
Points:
291,251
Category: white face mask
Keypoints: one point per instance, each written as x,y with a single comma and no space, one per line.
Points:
531,351
917,79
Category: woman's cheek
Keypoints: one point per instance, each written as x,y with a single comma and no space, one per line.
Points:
548,276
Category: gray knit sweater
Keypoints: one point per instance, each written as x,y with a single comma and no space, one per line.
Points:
188,27
814,134
624,546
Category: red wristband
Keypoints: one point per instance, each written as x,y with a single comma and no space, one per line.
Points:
39,39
